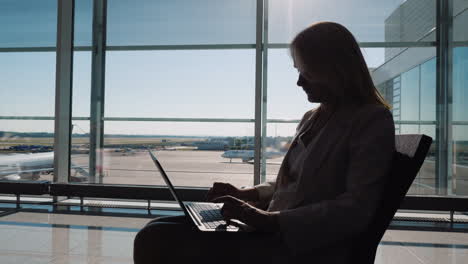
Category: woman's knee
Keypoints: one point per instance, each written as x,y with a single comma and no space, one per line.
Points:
168,219
156,241
152,234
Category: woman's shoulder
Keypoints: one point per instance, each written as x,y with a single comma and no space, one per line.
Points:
309,113
307,116
370,110
376,114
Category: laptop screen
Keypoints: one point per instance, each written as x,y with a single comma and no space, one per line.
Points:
168,182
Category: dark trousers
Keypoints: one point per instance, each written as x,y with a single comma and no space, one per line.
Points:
176,240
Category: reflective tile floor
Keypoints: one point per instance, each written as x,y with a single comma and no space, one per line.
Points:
31,237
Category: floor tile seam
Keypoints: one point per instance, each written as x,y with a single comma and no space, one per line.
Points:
399,250
415,255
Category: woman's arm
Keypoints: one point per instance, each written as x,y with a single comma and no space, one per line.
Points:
266,190
371,149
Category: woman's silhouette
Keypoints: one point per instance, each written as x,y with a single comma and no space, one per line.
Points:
329,183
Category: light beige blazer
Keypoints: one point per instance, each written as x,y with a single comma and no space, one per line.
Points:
340,184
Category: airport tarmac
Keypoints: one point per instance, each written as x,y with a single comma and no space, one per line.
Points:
184,167
197,168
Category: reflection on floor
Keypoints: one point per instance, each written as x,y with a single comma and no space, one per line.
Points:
30,237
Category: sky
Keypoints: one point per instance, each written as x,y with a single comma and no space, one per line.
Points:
183,83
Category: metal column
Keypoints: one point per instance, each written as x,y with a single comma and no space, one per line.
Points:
444,98
264,90
97,91
63,90
258,92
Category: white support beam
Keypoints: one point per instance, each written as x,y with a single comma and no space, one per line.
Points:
63,90
258,92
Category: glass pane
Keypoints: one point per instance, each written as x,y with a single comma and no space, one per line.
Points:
460,84
277,142
191,153
28,23
408,59
428,90
195,84
180,22
81,83
79,159
460,20
26,149
27,83
27,89
286,100
425,182
83,23
410,95
460,120
460,159
368,20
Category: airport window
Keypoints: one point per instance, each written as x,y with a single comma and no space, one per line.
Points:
180,84
414,104
81,99
180,22
194,66
28,81
27,65
410,95
460,99
191,159
428,90
368,20
460,121
28,24
181,77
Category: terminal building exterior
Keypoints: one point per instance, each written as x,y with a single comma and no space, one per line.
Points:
407,79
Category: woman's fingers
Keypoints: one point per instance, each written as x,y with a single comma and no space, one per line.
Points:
219,189
228,199
232,208
211,195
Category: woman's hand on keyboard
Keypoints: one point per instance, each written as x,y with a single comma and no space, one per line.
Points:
235,208
220,189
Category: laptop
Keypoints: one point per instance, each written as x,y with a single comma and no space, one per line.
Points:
205,216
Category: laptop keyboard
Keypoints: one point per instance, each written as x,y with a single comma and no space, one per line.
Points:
210,216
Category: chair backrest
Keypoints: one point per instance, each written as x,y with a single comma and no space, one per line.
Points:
409,156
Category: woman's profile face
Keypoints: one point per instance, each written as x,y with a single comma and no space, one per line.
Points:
314,83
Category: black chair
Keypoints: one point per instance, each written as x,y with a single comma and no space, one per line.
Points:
410,153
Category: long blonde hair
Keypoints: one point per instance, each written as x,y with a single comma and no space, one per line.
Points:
330,48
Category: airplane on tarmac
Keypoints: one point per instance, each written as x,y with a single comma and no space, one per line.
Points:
31,166
248,155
